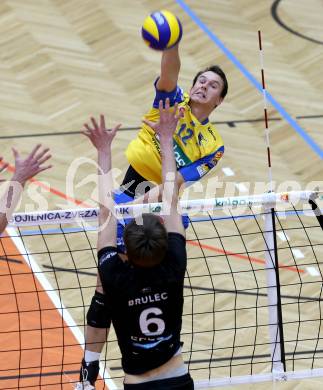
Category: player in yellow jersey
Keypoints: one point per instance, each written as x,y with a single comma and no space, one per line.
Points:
197,144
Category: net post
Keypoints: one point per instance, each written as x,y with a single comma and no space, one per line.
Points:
276,334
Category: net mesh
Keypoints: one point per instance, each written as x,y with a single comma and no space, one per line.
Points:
48,276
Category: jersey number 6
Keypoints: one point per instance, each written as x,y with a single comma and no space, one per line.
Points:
152,322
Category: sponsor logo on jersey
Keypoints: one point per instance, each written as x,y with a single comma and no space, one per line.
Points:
181,159
200,139
143,342
202,170
150,298
155,141
217,157
211,132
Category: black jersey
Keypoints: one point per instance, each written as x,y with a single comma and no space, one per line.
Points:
145,305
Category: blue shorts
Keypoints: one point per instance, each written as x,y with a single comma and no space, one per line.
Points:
121,197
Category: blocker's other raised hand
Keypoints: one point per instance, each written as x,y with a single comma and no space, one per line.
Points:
168,119
98,134
33,164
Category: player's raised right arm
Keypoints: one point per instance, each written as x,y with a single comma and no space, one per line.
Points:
102,138
169,70
165,129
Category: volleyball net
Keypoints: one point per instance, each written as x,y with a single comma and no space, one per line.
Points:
253,293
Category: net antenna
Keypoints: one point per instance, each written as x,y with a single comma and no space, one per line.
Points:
276,332
264,92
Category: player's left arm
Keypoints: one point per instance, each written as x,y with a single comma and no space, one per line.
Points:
165,128
102,138
97,331
96,337
199,168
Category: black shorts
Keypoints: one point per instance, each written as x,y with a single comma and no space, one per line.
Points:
135,179
184,382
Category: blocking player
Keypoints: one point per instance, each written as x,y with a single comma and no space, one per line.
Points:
143,296
24,170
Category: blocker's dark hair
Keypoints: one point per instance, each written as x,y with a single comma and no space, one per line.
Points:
146,244
215,69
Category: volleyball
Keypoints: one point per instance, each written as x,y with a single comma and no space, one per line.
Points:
161,30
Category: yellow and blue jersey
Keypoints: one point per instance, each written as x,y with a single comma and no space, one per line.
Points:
197,145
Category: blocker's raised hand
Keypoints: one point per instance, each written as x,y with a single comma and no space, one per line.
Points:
32,165
98,134
168,119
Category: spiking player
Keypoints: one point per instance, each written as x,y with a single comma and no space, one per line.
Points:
24,170
197,144
143,296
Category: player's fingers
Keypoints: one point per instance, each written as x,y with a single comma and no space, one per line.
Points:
41,169
177,112
167,104
4,166
95,125
149,123
88,130
175,109
116,128
34,151
86,133
41,154
44,159
15,152
102,122
161,106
